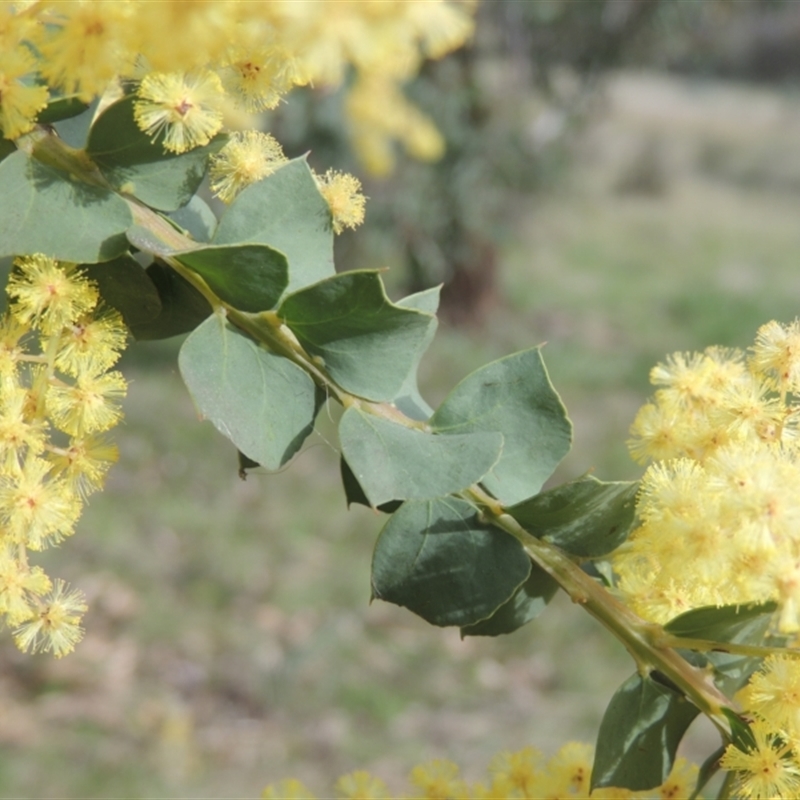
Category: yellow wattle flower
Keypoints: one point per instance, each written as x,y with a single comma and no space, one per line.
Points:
56,347
342,192
55,624
249,156
48,294
260,77
91,405
20,101
185,107
718,508
767,771
36,510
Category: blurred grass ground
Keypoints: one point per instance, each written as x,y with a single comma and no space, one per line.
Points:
230,642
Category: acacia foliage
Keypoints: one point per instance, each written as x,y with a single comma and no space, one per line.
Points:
471,538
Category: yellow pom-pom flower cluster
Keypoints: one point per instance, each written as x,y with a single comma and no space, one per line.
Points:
719,509
250,156
525,774
770,768
58,397
342,192
194,59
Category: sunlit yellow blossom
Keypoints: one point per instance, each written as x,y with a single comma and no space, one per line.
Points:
671,487
776,354
522,769
758,486
747,411
289,789
380,115
514,776
712,534
260,77
421,138
572,766
696,378
49,294
43,482
35,509
185,107
721,523
11,332
441,26
84,462
20,100
248,157
438,780
185,35
20,432
84,47
657,597
360,785
17,24
773,693
342,192
785,577
499,789
19,585
654,434
87,44
90,406
766,772
680,782
92,343
55,625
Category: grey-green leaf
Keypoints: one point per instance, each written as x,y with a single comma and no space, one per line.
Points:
721,623
526,604
125,285
183,308
393,462
408,399
263,403
743,624
7,147
439,560
368,345
61,108
285,211
587,517
43,210
250,277
514,396
639,735
133,162
353,493
75,130
196,218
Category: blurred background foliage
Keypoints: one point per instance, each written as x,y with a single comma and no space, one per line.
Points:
510,107
622,181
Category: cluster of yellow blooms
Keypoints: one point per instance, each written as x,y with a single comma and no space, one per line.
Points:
525,774
719,507
250,156
198,61
770,768
58,396
719,525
